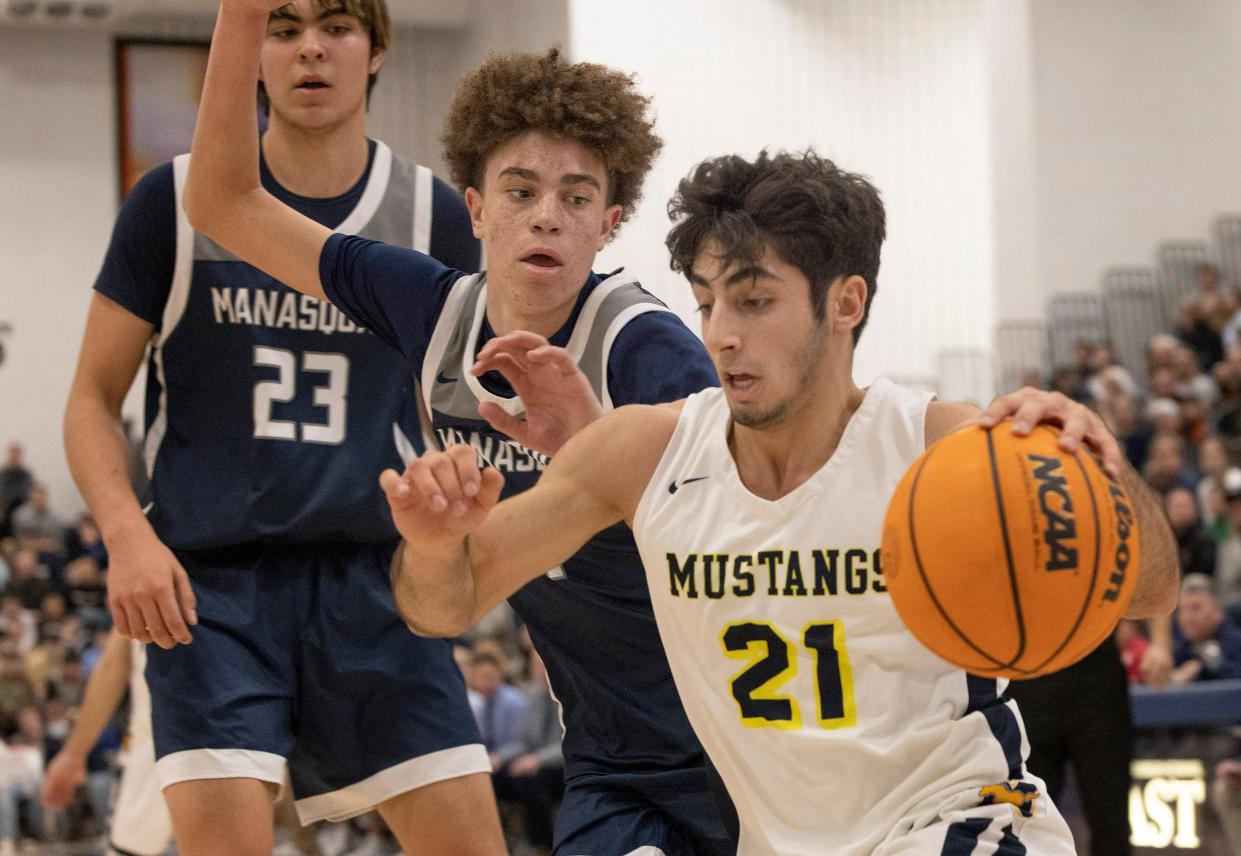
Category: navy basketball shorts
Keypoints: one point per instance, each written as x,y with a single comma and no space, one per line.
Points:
300,656
668,813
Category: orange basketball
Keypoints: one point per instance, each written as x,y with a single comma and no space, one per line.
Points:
1007,556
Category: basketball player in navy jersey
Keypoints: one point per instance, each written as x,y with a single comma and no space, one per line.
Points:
259,568
833,728
552,157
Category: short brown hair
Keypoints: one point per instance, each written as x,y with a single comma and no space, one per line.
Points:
824,221
371,14
592,105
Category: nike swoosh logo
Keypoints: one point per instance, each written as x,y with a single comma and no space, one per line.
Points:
443,378
675,486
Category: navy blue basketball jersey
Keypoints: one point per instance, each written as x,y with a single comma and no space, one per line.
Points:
590,619
271,414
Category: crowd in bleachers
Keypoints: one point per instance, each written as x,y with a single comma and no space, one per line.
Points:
53,623
1180,426
1178,419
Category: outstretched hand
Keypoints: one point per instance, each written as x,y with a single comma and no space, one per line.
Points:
557,396
1029,407
441,498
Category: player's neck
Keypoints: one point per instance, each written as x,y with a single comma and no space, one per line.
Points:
506,316
773,462
318,163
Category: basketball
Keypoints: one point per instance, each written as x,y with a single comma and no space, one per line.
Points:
1008,556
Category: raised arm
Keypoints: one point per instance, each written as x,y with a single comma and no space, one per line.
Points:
224,198
461,556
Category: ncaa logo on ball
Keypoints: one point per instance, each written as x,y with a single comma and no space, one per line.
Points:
1056,505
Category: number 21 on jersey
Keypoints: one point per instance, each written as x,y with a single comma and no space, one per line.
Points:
772,663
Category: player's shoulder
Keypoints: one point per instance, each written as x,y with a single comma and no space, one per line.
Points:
945,417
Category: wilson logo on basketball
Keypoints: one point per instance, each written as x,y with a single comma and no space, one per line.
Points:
1054,501
1124,528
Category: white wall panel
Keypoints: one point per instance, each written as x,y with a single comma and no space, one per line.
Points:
895,89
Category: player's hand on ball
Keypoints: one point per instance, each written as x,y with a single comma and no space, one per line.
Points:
1029,407
61,780
557,396
441,497
149,593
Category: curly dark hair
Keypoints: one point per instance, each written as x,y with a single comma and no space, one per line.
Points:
590,104
822,220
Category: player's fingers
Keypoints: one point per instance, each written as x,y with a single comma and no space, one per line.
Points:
394,486
1000,407
1076,425
466,462
421,478
153,622
137,626
491,482
170,616
446,472
119,619
1031,413
504,422
184,592
1105,444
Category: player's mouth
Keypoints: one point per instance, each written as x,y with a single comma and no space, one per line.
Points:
739,384
542,262
312,84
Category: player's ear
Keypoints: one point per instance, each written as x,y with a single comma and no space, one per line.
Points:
846,299
474,201
610,218
377,60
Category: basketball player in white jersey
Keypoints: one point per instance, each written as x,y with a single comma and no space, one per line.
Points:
758,510
140,823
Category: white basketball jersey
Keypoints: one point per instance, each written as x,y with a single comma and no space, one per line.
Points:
832,726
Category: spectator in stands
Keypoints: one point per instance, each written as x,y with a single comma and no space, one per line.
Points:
87,592
1196,549
1228,556
1207,643
1226,797
1191,380
1111,382
1194,330
1133,647
1165,467
1164,415
16,691
15,480
35,525
1159,351
531,770
1227,411
70,684
503,705
1120,414
22,761
30,580
84,540
1212,464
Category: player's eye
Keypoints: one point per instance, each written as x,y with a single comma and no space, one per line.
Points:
283,33
519,192
579,201
704,309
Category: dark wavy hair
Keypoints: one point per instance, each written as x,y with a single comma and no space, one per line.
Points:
822,220
593,105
